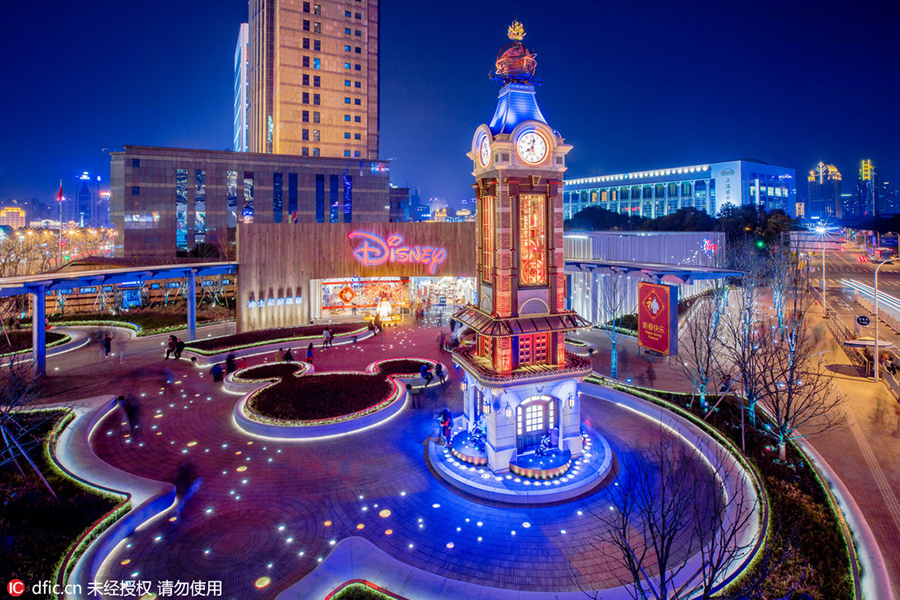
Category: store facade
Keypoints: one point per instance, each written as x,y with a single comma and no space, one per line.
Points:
294,273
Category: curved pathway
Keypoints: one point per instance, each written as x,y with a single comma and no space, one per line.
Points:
276,509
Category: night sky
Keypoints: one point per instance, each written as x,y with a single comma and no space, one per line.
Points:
632,85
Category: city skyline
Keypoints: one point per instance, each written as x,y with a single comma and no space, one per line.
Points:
791,85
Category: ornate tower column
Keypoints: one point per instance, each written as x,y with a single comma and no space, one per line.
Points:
518,374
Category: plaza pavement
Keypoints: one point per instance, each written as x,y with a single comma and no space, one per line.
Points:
275,509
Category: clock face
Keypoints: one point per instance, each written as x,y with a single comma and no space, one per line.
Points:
485,154
532,147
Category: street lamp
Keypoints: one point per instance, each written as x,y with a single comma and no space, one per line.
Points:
820,230
876,353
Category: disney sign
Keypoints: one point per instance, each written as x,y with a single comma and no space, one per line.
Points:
375,250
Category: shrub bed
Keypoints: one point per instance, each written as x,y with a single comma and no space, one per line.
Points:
20,341
360,591
239,341
36,532
819,563
144,322
323,396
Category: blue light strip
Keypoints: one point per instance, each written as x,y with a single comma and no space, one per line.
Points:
869,292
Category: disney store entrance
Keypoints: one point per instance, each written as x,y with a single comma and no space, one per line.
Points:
356,297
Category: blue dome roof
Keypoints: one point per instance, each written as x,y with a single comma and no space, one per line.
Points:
516,103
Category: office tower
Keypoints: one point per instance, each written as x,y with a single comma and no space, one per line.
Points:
825,192
84,205
314,78
867,190
242,90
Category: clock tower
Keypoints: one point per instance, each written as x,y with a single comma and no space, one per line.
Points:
520,383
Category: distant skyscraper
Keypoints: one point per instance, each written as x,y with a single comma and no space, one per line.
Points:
242,90
867,189
825,192
314,77
85,205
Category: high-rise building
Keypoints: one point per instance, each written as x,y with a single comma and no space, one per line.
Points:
85,205
242,90
825,192
867,189
314,77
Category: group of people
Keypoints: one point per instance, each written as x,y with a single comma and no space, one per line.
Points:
428,376
174,346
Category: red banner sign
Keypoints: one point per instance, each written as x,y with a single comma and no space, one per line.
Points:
658,317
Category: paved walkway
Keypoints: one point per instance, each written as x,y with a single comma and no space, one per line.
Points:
275,509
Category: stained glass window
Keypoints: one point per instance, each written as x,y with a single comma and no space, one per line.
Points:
532,240
487,237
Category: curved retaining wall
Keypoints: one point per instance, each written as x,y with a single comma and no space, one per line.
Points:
311,432
149,498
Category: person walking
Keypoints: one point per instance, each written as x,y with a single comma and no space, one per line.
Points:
279,356
651,374
107,345
309,353
439,371
446,425
230,365
121,342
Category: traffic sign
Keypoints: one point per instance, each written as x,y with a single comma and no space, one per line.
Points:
863,320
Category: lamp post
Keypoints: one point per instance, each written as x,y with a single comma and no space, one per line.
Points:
876,353
821,231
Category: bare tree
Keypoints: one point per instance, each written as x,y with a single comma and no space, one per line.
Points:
700,350
782,269
795,387
18,437
670,508
742,326
610,302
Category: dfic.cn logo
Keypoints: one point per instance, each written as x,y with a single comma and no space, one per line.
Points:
15,587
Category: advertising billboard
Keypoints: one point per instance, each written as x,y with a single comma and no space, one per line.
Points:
658,317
